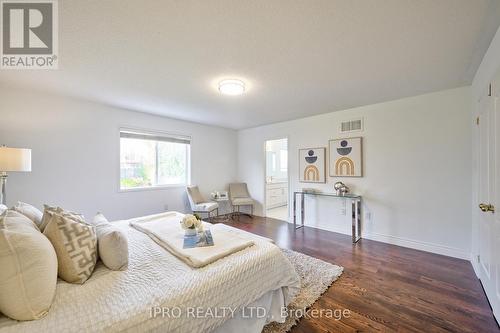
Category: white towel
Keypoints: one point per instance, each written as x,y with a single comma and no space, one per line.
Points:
166,231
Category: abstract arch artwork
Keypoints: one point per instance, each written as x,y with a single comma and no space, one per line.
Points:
344,167
345,157
312,165
311,173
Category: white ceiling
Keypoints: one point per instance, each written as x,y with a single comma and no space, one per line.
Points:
299,58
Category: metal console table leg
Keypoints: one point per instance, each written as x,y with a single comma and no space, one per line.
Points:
302,211
356,220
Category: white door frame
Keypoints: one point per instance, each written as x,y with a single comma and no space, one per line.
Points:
287,174
485,193
488,242
496,200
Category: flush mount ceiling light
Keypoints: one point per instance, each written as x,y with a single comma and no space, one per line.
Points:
232,87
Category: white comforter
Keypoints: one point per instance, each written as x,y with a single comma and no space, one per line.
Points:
114,301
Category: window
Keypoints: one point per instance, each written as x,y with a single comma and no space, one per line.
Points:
273,162
153,160
283,160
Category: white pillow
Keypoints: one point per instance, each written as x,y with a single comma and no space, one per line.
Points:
3,208
112,243
28,273
31,212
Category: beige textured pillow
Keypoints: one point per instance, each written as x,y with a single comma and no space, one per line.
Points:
195,194
48,211
31,212
76,247
28,268
112,243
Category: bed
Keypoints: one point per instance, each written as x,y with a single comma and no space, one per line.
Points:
160,293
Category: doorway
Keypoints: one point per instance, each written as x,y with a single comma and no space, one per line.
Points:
276,182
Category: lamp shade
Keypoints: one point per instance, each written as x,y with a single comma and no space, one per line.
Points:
15,159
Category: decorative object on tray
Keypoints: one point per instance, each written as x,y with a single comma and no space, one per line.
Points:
190,223
345,157
219,195
312,165
201,238
340,188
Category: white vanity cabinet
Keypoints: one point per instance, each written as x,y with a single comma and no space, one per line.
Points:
276,194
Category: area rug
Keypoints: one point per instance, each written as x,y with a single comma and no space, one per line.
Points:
315,277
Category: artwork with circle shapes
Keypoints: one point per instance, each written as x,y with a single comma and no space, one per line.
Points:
312,165
346,157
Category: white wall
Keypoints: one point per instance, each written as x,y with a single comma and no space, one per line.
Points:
417,166
489,67
75,155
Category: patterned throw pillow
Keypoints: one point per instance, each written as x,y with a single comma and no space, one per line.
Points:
76,247
48,211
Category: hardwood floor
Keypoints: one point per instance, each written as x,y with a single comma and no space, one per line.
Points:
386,288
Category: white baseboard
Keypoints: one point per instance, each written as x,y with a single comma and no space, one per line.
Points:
410,243
475,265
419,245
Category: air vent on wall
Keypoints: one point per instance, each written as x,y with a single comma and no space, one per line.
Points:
354,125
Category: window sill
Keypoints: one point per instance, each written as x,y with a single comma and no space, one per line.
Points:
151,188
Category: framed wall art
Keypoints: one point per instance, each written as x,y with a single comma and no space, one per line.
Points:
312,165
346,158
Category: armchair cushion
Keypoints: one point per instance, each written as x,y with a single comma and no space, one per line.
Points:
195,194
205,207
242,202
238,190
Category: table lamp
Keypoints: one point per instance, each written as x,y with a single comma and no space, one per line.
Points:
12,160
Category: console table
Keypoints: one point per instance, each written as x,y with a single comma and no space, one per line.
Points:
355,210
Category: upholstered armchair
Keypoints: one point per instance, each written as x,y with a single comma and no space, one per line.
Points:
239,196
198,204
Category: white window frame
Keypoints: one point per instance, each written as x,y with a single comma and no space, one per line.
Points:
153,134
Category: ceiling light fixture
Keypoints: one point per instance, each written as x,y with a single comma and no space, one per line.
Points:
232,87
